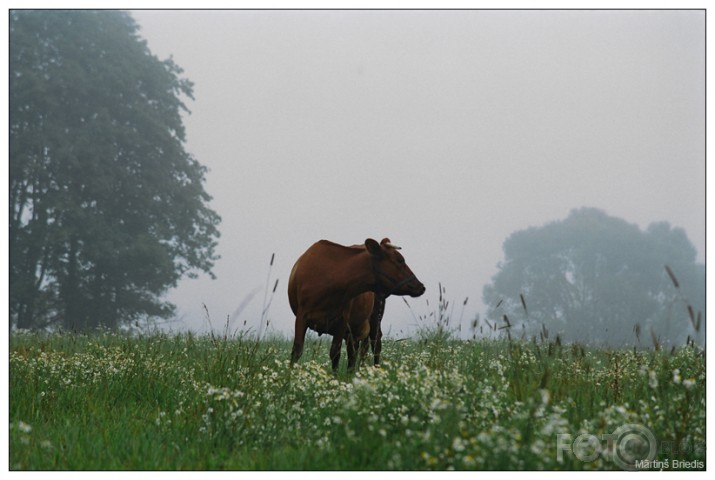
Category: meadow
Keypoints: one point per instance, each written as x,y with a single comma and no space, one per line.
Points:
159,401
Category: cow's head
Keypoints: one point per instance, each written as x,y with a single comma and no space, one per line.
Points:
392,275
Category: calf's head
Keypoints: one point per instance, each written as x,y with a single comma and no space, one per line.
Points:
392,275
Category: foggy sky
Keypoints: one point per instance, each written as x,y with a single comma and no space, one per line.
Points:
443,130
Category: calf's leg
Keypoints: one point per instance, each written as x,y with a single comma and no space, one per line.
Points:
376,344
335,348
376,328
352,345
364,344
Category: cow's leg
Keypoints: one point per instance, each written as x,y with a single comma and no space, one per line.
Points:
335,350
300,328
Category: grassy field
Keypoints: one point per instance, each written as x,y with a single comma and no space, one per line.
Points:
116,402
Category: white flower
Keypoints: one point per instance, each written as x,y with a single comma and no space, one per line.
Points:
24,427
652,379
458,444
689,383
676,376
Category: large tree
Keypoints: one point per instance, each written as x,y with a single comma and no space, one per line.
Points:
592,277
107,209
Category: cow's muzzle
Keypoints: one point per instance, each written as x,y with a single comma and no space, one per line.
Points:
407,286
417,290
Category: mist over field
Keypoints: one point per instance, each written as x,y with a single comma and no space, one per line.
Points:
540,172
445,131
543,171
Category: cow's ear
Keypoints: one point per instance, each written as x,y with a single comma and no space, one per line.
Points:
385,241
373,247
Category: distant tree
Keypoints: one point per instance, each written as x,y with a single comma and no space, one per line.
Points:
107,209
592,277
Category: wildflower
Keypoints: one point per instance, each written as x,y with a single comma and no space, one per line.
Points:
24,427
688,383
676,376
458,444
652,379
160,419
429,459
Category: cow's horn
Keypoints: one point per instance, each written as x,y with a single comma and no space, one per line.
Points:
393,246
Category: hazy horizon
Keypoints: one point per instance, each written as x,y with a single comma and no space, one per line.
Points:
445,131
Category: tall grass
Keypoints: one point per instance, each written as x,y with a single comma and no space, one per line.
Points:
157,401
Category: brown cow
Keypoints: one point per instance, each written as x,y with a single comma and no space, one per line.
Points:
335,289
